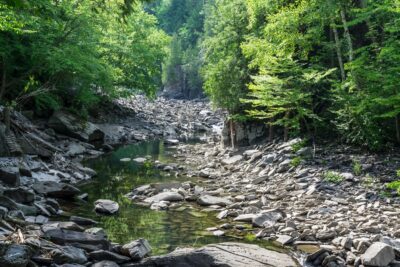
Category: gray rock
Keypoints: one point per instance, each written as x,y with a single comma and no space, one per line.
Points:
245,217
232,160
378,254
14,255
326,235
12,205
267,219
284,166
96,231
224,254
62,225
208,200
54,189
67,124
140,160
68,254
77,239
171,142
82,221
164,196
105,264
137,249
101,255
10,176
20,195
106,206
284,240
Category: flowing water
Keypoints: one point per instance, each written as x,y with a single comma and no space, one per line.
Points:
165,230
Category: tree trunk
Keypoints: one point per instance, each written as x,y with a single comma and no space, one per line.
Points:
233,135
3,79
286,129
338,51
271,132
347,34
397,118
7,119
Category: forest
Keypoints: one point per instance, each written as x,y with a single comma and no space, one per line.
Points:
326,69
199,133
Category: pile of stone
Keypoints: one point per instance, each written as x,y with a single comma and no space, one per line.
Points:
281,190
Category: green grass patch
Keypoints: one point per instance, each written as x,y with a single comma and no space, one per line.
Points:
295,161
299,145
357,168
333,177
395,186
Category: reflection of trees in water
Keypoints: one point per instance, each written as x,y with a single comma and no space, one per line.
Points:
164,230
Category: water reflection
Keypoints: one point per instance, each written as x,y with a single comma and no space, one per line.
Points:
164,230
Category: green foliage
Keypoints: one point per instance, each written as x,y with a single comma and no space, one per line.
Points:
333,177
78,51
184,21
398,173
357,168
395,186
299,145
368,181
295,161
225,70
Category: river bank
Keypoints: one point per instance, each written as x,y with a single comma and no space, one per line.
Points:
277,188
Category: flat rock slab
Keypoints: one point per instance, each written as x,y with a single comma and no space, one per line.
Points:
77,239
164,196
54,189
106,206
221,255
67,124
208,200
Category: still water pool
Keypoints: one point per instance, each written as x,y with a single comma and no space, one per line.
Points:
165,230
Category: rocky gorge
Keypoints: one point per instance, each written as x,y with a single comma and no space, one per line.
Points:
309,199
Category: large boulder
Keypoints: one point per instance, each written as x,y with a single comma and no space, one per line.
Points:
106,206
10,176
54,189
67,124
14,255
221,255
245,133
85,241
137,249
378,254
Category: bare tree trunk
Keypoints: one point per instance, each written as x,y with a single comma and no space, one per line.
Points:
271,132
3,79
338,51
7,119
397,118
286,128
347,34
233,135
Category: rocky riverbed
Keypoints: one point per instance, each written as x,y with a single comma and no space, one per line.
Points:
310,199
